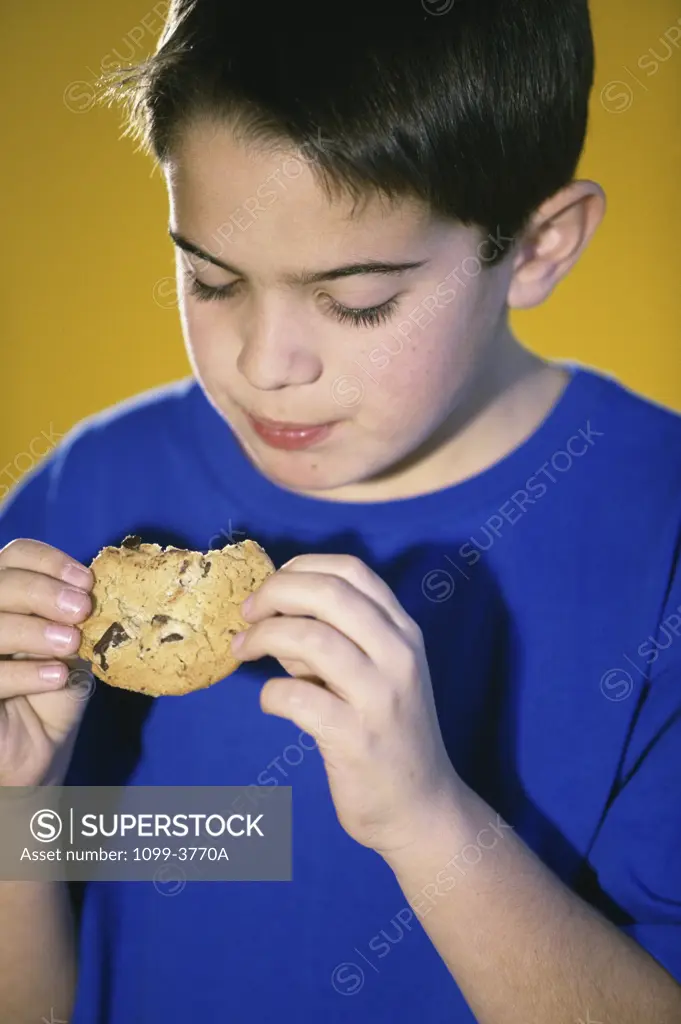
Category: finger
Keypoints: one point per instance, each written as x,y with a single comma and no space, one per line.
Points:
360,576
36,556
331,599
314,710
18,678
31,593
33,635
326,652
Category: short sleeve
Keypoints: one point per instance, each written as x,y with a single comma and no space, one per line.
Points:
23,511
635,860
37,505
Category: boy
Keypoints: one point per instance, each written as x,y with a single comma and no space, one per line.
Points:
470,542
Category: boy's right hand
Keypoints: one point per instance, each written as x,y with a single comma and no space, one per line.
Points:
43,594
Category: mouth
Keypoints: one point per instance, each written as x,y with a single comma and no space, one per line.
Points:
290,436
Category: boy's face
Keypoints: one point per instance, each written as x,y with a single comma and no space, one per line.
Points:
290,351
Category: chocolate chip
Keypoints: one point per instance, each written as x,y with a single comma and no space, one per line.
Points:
160,620
184,566
205,566
171,637
113,637
131,542
119,636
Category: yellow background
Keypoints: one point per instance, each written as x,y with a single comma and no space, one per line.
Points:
84,220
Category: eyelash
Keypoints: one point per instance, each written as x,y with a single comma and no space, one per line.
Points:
369,316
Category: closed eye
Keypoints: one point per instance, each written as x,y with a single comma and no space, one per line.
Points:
208,292
365,316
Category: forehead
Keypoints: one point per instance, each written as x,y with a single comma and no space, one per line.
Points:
235,196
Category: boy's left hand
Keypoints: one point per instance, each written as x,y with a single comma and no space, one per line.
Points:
374,716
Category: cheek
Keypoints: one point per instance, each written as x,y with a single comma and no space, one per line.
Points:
412,376
205,334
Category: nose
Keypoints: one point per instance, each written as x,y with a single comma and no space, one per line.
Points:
274,354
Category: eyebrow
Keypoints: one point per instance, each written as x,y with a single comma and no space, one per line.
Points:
305,277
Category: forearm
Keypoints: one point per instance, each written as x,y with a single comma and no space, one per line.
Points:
37,952
522,947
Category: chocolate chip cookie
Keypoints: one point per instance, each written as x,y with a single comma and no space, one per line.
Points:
163,618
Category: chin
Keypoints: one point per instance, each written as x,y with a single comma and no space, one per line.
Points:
307,471
308,474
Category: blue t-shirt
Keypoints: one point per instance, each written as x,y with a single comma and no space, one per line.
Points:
548,591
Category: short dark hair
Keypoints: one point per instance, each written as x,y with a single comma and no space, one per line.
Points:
478,108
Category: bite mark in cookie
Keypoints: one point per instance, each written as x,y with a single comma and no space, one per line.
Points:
164,617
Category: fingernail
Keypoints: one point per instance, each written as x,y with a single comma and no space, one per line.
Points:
53,673
247,604
237,640
72,601
60,636
77,576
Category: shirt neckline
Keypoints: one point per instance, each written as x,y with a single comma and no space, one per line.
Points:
236,476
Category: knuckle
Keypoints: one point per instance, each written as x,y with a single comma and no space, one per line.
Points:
333,590
16,633
13,548
45,558
259,635
35,553
413,631
414,661
311,635
409,663
34,592
10,675
356,568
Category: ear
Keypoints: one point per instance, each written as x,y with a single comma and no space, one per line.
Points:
554,240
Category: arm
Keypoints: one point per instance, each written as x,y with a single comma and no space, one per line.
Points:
37,952
521,946
38,965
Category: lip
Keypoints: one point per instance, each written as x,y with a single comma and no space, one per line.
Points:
290,436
